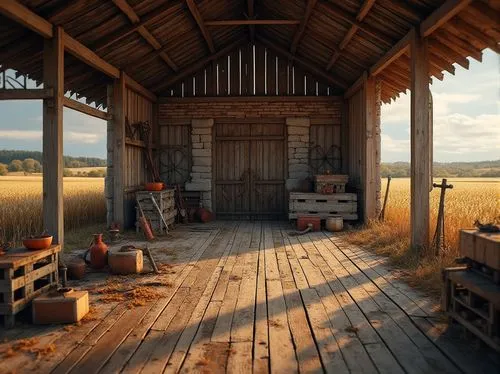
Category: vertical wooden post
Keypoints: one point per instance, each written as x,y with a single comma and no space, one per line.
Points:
53,77
420,143
110,145
370,158
119,105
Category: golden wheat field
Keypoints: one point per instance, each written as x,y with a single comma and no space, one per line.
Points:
21,205
470,199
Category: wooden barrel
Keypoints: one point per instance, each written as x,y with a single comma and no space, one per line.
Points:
335,223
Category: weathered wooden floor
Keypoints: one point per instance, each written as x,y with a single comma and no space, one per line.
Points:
246,296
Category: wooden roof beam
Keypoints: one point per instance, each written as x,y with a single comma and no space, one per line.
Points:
363,12
442,15
125,7
26,94
24,16
198,65
463,27
86,109
303,24
251,15
195,12
308,65
245,22
392,54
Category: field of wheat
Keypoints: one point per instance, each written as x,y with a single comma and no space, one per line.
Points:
470,199
21,205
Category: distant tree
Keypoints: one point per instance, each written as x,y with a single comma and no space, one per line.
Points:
16,165
67,173
3,169
96,173
31,165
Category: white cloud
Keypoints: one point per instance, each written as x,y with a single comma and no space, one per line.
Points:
391,145
81,137
442,101
21,134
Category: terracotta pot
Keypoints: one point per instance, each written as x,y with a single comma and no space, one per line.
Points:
76,269
35,244
204,215
98,253
154,186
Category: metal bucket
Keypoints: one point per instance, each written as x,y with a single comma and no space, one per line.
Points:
334,224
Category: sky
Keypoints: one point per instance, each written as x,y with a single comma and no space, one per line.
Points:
466,120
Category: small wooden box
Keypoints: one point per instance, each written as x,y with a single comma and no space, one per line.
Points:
482,247
328,184
55,307
303,221
125,262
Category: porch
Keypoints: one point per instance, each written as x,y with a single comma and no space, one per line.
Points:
249,297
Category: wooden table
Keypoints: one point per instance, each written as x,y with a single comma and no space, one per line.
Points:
24,275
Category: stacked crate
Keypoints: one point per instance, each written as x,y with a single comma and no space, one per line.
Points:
323,206
471,293
24,275
166,202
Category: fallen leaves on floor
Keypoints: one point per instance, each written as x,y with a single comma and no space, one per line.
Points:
28,346
118,292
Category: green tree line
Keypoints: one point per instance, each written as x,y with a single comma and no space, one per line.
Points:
7,156
480,169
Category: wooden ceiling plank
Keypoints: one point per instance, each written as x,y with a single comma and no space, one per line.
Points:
465,28
363,12
448,53
127,9
313,68
442,15
195,12
23,15
302,27
458,44
198,65
245,22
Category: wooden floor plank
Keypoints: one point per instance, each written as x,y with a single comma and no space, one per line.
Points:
261,338
305,346
240,358
282,353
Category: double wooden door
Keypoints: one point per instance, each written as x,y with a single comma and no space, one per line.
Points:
250,169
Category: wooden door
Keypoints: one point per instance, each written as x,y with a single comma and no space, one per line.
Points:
250,169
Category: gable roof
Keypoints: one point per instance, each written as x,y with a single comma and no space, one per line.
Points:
157,41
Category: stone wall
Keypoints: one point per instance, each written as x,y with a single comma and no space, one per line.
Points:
298,151
201,170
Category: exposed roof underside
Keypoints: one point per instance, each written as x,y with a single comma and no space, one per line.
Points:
154,41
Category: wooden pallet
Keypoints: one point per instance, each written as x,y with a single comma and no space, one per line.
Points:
156,223
166,202
23,276
323,206
474,302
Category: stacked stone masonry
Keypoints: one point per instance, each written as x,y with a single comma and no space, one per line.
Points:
298,151
201,171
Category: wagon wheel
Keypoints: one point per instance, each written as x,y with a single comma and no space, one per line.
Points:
174,166
322,160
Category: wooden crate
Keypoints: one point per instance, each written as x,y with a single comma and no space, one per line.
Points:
166,202
23,276
328,184
474,302
481,247
323,206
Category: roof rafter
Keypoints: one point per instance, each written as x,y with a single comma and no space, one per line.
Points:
125,7
21,14
300,31
251,14
363,12
195,12
244,22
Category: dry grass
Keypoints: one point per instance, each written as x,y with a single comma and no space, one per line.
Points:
470,199
21,205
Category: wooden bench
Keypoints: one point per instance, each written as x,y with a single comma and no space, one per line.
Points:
24,275
323,206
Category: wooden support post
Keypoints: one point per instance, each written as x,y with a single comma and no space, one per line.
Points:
119,101
53,77
370,165
420,143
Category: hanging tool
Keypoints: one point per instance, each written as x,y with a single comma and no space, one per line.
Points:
146,228
151,259
437,244
159,211
180,205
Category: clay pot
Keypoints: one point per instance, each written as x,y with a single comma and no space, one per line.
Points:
98,253
154,186
76,269
35,244
204,215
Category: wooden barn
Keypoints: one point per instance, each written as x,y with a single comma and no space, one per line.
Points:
243,102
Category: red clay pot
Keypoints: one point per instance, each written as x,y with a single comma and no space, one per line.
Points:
154,186
98,253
